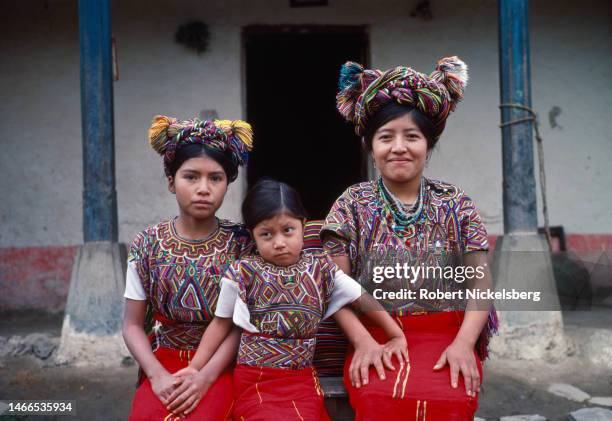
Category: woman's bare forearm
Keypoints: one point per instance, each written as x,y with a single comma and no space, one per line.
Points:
348,321
368,305
477,310
225,354
377,314
213,337
473,323
354,330
136,339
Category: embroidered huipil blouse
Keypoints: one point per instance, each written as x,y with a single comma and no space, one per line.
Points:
180,278
362,223
280,308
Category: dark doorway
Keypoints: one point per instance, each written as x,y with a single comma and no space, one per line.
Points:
300,138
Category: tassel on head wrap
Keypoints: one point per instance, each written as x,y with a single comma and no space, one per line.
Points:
362,92
453,73
240,137
158,133
231,137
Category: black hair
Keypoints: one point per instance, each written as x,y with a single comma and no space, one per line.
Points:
269,198
196,150
393,110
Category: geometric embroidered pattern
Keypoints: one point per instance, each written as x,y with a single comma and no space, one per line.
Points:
181,278
359,222
286,305
287,353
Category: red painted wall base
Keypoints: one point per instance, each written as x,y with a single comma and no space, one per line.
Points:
38,278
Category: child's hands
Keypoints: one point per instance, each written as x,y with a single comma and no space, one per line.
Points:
191,385
184,372
396,346
162,384
367,352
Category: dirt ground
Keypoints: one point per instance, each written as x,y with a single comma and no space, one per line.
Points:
510,387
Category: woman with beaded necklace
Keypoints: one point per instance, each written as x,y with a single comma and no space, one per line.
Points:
400,114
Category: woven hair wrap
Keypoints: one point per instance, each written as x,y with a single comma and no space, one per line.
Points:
362,92
231,137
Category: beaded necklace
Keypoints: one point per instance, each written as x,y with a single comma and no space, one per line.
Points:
402,217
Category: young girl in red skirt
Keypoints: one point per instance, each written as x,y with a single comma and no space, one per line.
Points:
278,298
174,270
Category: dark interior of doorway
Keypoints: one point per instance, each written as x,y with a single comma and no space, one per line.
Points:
300,138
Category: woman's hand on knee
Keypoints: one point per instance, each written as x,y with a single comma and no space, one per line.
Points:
459,355
191,385
367,352
162,384
397,347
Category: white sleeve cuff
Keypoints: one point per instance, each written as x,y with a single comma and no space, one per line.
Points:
227,298
346,290
133,284
242,317
230,305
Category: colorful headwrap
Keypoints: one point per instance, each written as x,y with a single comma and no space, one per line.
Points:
362,92
231,137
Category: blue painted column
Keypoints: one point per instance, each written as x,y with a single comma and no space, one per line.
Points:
519,192
99,194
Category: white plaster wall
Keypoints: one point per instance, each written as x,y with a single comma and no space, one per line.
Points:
40,127
41,136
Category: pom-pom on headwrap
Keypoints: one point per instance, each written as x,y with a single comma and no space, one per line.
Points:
362,92
240,137
231,137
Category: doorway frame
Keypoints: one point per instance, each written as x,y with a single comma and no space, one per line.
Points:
273,29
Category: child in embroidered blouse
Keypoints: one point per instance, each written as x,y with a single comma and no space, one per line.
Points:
278,298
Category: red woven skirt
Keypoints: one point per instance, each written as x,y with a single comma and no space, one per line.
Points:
216,405
416,392
265,393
